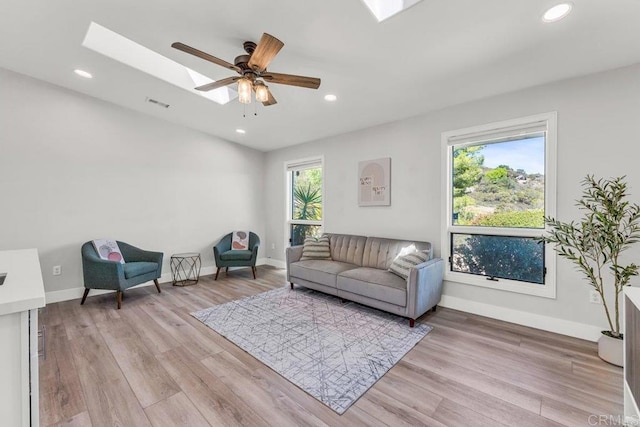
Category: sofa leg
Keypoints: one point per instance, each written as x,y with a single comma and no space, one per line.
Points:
157,285
84,297
412,323
217,272
434,308
253,270
291,283
119,299
226,271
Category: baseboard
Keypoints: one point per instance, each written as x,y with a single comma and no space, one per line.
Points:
537,321
76,293
274,263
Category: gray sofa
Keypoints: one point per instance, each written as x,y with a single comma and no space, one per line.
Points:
358,272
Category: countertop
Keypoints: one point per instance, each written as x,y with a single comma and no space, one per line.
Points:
23,288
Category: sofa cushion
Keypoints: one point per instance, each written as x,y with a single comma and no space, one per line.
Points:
319,271
316,248
236,255
347,248
374,283
403,263
133,269
380,253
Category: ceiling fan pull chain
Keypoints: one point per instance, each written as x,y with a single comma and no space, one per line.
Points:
255,109
244,110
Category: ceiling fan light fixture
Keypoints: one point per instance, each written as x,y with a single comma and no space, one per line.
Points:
244,90
262,92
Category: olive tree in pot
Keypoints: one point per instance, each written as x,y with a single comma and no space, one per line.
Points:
609,226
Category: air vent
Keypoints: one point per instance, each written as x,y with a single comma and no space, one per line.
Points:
158,103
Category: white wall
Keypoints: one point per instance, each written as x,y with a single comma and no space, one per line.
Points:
73,168
598,133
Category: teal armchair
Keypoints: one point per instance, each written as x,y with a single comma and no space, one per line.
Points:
140,266
226,257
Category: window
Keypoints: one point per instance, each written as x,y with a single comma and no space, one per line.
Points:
305,201
500,184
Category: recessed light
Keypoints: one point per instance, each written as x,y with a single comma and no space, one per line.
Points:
557,12
330,97
241,131
83,73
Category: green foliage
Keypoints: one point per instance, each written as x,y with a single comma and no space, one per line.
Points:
307,203
515,219
609,226
500,256
467,168
497,174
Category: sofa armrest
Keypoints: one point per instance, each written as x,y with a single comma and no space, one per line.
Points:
294,253
102,274
424,287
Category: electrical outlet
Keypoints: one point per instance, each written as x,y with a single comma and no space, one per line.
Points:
273,246
594,297
57,270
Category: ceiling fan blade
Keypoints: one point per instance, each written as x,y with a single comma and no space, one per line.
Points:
290,79
267,49
271,99
200,54
218,84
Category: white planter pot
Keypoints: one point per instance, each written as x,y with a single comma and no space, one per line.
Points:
611,349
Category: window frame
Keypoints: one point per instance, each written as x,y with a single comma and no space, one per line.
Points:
475,135
289,167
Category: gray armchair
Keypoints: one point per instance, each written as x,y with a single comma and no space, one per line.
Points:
227,257
140,266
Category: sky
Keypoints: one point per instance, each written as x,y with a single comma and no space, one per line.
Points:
527,154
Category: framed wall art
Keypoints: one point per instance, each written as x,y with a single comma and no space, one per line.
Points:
374,182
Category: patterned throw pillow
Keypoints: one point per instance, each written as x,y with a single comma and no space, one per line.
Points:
403,263
316,248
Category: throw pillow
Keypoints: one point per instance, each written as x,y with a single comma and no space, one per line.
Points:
316,248
240,241
403,263
108,250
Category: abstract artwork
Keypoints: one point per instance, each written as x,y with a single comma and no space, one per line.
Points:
374,182
240,241
108,250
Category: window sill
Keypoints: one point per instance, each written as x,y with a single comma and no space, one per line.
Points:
547,290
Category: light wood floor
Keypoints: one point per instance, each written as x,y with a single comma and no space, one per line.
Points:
151,363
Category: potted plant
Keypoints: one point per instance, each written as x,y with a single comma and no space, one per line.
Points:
610,225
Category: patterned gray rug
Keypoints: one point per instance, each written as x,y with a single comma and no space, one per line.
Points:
332,350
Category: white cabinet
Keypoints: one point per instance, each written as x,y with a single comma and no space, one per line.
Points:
20,297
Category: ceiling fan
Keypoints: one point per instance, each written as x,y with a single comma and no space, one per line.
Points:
252,69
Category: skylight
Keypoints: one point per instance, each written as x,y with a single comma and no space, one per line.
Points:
385,9
128,52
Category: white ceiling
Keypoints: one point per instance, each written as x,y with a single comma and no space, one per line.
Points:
437,53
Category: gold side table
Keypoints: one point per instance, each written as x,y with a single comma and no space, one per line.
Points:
185,268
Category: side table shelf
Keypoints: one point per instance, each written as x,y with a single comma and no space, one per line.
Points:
185,268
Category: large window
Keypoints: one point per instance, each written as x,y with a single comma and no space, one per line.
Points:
500,184
305,201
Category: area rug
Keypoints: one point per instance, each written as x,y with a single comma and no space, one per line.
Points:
332,350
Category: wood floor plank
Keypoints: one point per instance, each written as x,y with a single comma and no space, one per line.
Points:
61,395
200,344
80,420
470,370
175,411
108,396
147,378
258,393
216,402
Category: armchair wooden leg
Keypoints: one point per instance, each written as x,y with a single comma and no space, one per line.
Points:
157,285
434,308
291,285
84,297
226,271
412,323
217,272
253,270
119,299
